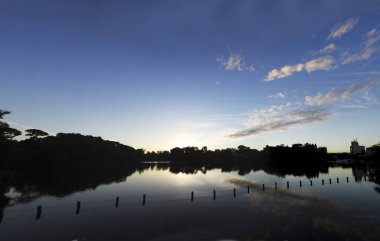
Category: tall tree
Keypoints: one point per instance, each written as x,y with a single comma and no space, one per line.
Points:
3,127
10,133
6,132
35,133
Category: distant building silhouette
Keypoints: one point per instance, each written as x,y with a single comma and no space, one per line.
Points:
355,149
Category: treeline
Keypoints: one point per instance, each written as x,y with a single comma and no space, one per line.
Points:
53,162
66,151
283,153
41,151
279,160
56,164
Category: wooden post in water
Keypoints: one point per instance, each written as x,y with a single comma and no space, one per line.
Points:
144,199
287,184
311,182
77,211
330,180
234,192
192,196
214,195
365,178
275,185
263,187
347,179
117,202
323,182
300,183
337,180
248,189
39,211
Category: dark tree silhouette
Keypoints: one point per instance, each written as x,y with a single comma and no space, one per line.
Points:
35,133
10,133
7,132
3,126
4,112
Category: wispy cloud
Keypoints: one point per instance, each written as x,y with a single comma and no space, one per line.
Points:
235,62
328,62
372,37
279,95
250,68
342,28
371,33
368,96
334,95
328,49
322,63
284,72
355,106
365,54
275,121
358,73
313,109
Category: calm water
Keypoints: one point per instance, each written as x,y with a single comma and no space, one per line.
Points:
337,211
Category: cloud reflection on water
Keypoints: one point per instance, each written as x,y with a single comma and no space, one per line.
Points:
304,212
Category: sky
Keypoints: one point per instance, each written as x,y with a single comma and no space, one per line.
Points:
218,73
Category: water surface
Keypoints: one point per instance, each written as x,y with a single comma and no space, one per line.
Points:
305,211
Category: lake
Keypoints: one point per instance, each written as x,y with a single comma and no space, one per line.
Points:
241,209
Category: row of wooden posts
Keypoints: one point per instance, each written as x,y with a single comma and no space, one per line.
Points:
78,206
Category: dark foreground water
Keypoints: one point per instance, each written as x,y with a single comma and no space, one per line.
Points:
342,210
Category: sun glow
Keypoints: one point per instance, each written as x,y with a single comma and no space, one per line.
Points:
183,140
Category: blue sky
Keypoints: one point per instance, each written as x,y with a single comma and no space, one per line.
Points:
160,74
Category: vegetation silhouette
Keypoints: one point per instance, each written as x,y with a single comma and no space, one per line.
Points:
6,132
35,133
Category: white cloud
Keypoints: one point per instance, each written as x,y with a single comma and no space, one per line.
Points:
327,62
312,110
371,33
251,68
235,62
271,119
334,95
343,28
372,37
322,63
328,49
355,106
372,41
284,72
369,98
365,54
279,95
321,99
